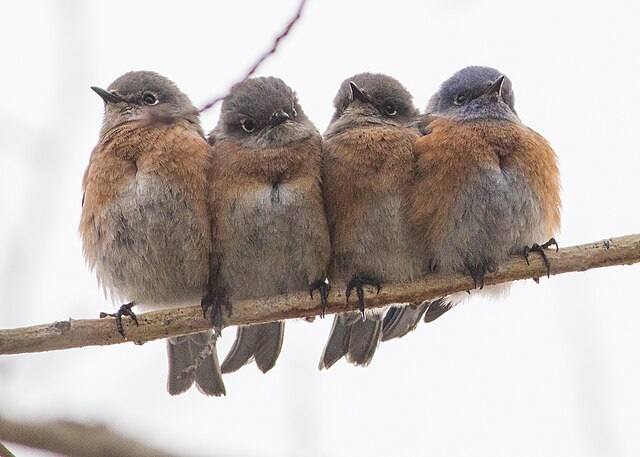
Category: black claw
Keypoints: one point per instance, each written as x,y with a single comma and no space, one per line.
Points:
322,286
540,249
357,282
479,271
216,300
546,262
552,242
360,293
205,304
208,302
124,310
477,274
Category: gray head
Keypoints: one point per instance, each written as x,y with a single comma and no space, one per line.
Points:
147,96
263,113
373,98
475,93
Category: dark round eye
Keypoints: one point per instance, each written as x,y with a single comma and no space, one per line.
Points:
460,99
294,113
390,110
248,125
149,99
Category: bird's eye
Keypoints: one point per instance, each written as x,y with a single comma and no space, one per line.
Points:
390,110
248,125
460,99
149,99
294,113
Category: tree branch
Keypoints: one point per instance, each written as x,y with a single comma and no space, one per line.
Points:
262,58
4,452
72,439
179,321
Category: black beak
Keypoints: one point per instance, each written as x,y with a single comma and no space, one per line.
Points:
107,96
279,117
496,87
357,94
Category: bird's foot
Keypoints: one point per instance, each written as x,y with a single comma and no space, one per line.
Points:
478,272
215,300
124,310
540,249
323,287
357,282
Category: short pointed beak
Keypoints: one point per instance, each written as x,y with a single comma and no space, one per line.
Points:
357,94
279,117
107,96
496,87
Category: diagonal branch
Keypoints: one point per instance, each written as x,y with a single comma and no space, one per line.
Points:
72,439
4,452
262,58
161,324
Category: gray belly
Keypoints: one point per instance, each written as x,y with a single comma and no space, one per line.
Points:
268,249
152,248
496,215
383,248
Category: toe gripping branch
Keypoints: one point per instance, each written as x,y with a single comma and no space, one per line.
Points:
357,282
323,287
479,271
216,299
124,310
540,249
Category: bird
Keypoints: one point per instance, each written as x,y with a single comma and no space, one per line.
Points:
367,170
270,229
145,222
487,186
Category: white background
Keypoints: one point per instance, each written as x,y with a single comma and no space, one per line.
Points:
551,370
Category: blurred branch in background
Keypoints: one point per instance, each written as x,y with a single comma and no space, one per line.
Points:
71,439
262,58
180,321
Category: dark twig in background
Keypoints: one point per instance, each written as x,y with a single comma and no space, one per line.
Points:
262,58
73,333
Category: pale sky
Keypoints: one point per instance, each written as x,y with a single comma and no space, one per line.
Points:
553,369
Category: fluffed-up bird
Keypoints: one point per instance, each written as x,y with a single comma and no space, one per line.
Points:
145,222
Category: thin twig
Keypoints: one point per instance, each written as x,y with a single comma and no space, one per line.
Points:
73,439
181,321
4,452
200,358
262,58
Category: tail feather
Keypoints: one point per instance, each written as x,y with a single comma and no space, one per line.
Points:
269,346
337,344
353,338
260,342
182,352
243,349
180,357
364,340
402,319
436,309
208,375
